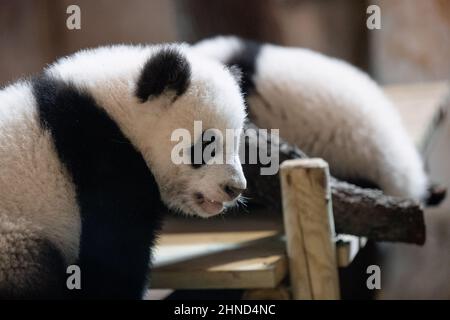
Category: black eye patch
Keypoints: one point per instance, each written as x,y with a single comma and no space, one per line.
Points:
200,147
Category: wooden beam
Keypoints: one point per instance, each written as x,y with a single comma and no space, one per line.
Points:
309,227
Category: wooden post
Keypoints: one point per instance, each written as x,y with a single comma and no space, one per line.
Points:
309,227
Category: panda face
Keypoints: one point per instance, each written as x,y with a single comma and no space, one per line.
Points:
202,93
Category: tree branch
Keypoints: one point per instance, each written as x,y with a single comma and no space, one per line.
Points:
357,211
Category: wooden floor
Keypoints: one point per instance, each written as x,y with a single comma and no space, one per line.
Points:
247,250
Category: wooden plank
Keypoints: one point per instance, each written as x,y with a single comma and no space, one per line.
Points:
309,229
347,247
234,253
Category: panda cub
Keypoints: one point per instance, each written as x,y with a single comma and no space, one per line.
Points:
86,170
331,110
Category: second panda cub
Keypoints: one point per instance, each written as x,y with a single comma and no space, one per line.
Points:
86,169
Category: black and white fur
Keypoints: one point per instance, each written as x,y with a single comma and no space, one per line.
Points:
86,170
331,110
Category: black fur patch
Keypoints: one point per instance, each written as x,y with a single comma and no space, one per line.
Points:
245,59
118,196
166,70
199,147
236,73
436,194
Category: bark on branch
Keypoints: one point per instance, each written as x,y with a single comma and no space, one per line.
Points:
357,211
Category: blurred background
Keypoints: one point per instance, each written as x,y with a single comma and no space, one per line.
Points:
413,45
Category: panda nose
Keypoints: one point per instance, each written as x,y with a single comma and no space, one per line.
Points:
232,191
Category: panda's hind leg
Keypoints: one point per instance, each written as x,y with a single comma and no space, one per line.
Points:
31,267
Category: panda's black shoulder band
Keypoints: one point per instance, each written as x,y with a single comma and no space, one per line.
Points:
168,69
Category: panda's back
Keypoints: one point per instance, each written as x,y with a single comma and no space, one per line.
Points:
34,184
45,148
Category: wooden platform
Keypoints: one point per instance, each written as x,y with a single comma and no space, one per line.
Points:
247,250
228,252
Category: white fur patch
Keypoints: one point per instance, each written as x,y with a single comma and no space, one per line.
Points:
34,184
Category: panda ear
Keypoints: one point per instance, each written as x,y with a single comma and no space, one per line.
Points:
167,69
236,72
